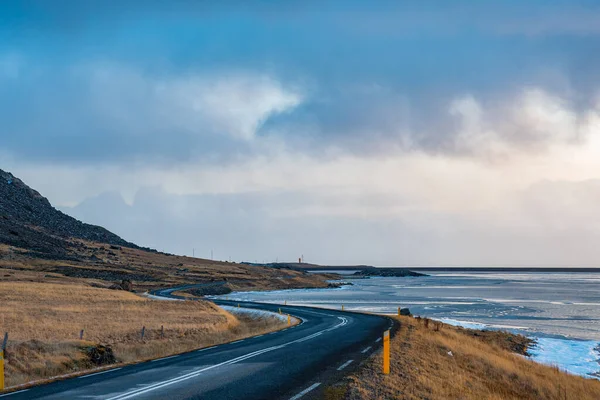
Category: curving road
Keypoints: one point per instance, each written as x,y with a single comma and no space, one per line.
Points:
294,363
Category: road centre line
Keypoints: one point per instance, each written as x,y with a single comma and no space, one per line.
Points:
365,350
160,385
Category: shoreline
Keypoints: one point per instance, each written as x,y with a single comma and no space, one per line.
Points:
586,352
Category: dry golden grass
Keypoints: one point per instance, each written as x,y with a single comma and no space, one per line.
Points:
477,369
44,321
102,265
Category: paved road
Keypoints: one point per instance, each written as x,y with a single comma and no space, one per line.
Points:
291,364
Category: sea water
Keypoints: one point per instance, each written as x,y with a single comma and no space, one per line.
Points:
560,310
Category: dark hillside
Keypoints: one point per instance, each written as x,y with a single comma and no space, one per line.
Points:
28,221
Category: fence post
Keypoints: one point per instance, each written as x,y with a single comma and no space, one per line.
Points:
162,331
81,335
386,352
143,332
342,307
2,355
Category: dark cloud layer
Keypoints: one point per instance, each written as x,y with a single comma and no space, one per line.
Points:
371,76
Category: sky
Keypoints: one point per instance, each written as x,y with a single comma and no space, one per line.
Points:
393,133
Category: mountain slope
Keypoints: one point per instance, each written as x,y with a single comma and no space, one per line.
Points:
41,244
28,220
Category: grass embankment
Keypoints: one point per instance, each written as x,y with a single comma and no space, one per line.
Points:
454,363
104,265
44,322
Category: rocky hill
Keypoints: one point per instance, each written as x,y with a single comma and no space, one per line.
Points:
28,221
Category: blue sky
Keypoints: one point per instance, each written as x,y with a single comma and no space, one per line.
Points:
364,118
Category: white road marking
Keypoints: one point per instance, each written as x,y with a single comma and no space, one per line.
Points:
98,373
10,394
344,365
259,336
365,350
164,358
378,340
308,389
160,385
314,335
206,348
237,341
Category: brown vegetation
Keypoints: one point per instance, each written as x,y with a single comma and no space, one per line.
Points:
44,323
439,361
104,265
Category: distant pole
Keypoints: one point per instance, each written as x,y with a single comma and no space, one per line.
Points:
81,335
193,252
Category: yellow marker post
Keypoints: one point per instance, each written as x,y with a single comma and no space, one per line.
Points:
279,310
386,352
1,369
289,320
342,307
238,305
398,310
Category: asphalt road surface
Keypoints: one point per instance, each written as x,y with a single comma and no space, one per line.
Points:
295,363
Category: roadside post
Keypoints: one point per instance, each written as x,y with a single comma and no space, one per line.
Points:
81,334
289,320
1,369
386,352
342,307
398,310
2,353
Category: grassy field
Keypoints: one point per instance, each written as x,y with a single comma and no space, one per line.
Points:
103,265
44,321
453,363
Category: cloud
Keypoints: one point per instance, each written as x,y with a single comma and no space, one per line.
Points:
547,226
395,132
104,113
140,82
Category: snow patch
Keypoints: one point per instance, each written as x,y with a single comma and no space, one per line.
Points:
579,357
254,312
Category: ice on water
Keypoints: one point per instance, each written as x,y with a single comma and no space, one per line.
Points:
554,308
